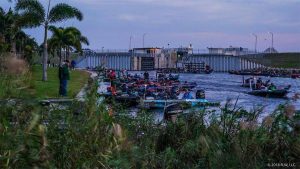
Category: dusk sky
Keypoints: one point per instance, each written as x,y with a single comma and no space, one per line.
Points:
203,23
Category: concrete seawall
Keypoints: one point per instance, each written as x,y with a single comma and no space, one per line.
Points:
130,61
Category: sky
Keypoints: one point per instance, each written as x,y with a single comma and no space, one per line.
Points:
109,24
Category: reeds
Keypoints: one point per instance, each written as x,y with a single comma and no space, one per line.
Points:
14,76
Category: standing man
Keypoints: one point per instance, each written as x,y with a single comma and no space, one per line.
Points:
146,75
73,64
64,76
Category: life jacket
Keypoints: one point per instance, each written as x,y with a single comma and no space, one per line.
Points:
113,90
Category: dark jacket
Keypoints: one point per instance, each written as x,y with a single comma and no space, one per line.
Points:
63,72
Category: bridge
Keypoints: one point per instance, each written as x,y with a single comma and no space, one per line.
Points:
131,61
223,63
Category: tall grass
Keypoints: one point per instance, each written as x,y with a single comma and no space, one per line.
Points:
14,77
84,135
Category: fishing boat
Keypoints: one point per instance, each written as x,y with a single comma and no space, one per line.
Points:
249,73
129,100
268,92
102,88
160,104
173,109
281,93
174,77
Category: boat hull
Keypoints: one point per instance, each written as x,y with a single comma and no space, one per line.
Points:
268,93
160,104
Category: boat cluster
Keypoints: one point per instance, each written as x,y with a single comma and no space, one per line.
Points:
164,91
272,72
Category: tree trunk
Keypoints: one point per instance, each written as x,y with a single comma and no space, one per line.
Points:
45,54
65,58
14,48
60,57
68,53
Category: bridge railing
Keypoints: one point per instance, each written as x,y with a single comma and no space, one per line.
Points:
111,50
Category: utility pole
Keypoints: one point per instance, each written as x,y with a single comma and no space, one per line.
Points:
130,41
272,42
255,45
169,55
144,39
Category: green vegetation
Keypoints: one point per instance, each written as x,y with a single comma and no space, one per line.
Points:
50,88
13,39
86,136
280,60
14,76
31,14
19,52
43,16
69,39
30,85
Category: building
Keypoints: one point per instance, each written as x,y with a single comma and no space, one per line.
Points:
154,58
152,51
218,51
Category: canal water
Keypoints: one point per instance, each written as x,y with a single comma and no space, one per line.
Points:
219,87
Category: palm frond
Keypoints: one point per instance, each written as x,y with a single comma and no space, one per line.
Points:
78,46
21,35
2,12
53,29
30,20
78,35
31,6
84,40
62,11
57,32
73,30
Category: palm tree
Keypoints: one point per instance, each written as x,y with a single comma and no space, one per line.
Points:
66,39
76,42
1,12
41,16
2,23
11,24
29,49
59,40
13,27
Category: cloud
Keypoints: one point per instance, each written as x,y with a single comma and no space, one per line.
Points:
131,17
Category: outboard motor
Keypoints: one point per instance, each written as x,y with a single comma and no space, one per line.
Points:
200,94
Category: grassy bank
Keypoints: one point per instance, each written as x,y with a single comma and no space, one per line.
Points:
30,84
280,60
50,88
